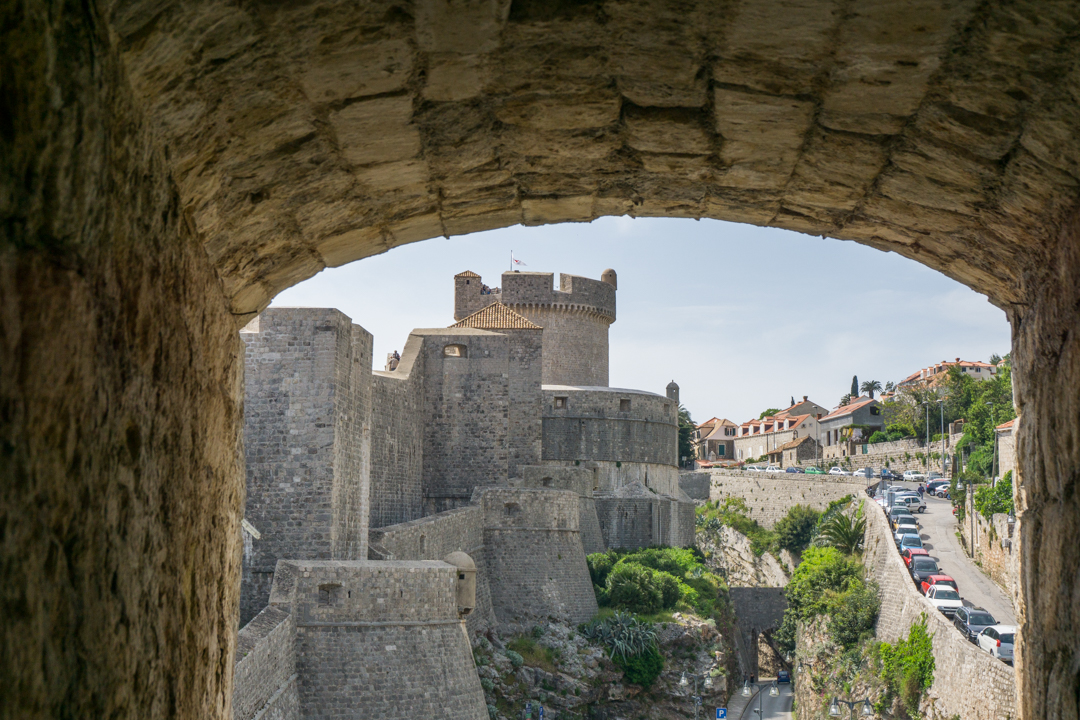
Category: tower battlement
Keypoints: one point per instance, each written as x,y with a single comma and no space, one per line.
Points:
575,318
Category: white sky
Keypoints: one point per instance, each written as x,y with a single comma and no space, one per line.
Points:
741,317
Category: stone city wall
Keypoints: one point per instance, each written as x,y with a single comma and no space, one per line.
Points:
579,480
306,439
635,516
575,345
466,405
433,538
769,497
379,639
612,475
968,682
994,547
696,485
524,413
591,425
264,676
535,556
397,454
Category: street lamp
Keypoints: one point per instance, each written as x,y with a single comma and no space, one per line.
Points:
774,691
706,682
866,711
941,403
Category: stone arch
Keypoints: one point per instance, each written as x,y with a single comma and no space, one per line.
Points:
218,153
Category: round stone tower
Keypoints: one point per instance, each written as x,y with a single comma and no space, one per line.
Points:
575,318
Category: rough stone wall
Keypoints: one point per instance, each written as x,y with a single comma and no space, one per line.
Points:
770,497
121,483
433,538
581,481
379,639
731,553
967,681
758,609
397,444
627,522
524,421
696,485
612,475
995,544
591,426
264,677
535,557
307,440
575,345
466,409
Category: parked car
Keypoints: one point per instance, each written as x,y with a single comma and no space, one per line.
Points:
910,541
835,470
896,511
938,580
913,476
795,469
998,641
945,599
922,568
971,621
934,475
934,485
783,676
914,503
773,469
904,528
867,473
887,474
753,468
911,553
812,470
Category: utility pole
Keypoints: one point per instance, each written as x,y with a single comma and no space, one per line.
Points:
941,403
927,405
993,429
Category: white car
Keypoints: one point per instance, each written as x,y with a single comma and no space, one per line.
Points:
913,476
905,528
773,469
838,471
753,468
998,641
946,600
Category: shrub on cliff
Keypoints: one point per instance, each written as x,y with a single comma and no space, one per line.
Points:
908,666
996,499
642,669
795,530
633,587
600,565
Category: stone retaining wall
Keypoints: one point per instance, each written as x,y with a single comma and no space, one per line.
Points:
994,548
968,682
769,497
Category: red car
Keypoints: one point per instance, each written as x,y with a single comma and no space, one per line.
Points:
910,553
937,580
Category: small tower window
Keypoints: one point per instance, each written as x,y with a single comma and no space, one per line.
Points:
624,405
560,403
455,351
329,595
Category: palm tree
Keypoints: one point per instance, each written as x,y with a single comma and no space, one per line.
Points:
870,387
844,532
890,386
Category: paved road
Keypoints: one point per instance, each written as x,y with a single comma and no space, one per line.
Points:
938,530
772,708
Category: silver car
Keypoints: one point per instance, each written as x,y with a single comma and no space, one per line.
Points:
914,503
998,641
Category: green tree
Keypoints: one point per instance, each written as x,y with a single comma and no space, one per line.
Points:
870,387
795,530
854,386
844,532
995,359
766,413
686,434
845,399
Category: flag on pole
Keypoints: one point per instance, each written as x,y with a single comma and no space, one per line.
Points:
515,262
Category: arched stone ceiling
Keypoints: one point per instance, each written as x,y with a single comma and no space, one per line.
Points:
307,135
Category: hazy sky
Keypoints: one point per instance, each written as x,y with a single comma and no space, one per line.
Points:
741,317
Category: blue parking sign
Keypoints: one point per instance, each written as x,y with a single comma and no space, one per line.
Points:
721,713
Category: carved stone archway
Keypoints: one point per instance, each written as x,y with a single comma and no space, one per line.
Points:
166,168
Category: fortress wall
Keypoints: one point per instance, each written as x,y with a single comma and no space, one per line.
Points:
591,426
264,676
579,480
525,374
967,681
575,345
769,497
436,536
627,522
306,448
611,476
397,449
535,557
696,485
466,407
380,640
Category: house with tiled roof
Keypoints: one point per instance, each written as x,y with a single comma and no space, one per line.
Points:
795,452
714,440
757,438
934,374
854,422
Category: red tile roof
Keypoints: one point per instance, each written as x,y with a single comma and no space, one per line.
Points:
1006,425
468,274
496,316
851,407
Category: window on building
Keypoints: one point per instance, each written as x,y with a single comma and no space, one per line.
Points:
624,405
455,351
875,411
721,450
329,595
560,403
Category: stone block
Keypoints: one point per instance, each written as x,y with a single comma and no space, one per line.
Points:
357,71
377,131
562,112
